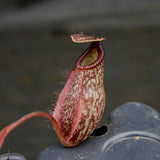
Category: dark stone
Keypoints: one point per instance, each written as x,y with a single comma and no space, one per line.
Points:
133,132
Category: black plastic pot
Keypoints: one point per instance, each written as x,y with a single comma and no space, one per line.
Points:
133,133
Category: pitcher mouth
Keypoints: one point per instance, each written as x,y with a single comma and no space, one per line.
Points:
93,56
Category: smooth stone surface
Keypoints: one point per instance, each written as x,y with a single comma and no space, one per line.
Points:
133,133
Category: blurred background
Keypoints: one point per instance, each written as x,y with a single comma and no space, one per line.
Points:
36,54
